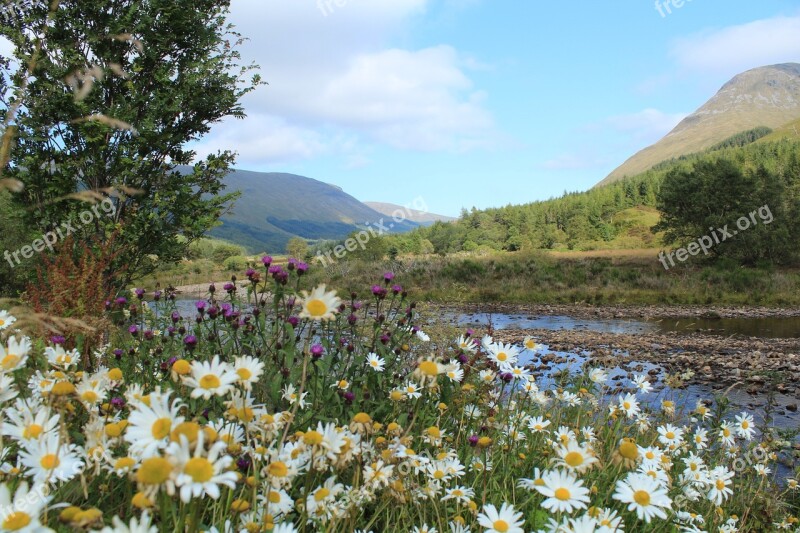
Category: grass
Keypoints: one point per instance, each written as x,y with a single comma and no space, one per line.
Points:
629,277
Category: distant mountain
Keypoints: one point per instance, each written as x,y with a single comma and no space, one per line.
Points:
423,218
766,96
274,207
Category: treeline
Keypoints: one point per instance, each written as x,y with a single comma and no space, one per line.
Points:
602,217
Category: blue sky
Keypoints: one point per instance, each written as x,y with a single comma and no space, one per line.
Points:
461,103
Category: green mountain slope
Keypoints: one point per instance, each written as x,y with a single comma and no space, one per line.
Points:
423,218
274,207
767,96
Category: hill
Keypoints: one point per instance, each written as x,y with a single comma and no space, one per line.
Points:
274,207
762,97
423,218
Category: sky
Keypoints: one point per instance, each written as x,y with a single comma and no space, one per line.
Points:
459,103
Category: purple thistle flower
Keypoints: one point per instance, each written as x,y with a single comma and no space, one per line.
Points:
317,351
266,260
190,341
58,339
139,293
133,330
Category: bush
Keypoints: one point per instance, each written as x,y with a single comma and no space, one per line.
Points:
236,263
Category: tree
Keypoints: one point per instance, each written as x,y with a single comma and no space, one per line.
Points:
297,248
117,89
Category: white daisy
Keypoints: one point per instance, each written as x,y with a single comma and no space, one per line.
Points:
6,320
60,358
644,495
249,370
15,356
375,362
319,304
142,525
211,378
563,491
503,521
198,473
49,460
150,424
21,513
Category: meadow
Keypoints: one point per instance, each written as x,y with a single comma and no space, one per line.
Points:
300,408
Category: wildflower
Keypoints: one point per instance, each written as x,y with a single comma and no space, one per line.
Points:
744,426
211,378
563,491
670,435
291,396
150,425
641,382
700,438
49,460
459,493
21,513
249,370
16,355
531,344
598,376
28,422
575,456
375,362
726,434
199,474
629,404
627,453
58,357
720,481
142,525
467,344
503,521
504,355
319,304
644,495
454,372
6,320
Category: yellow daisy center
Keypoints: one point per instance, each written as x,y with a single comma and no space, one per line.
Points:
429,368
312,438
274,496
124,463
316,308
190,430
562,494
160,428
278,469
16,521
670,435
32,432
199,469
573,459
642,497
321,494
9,361
154,471
500,525
50,461
210,381
502,357
439,474
244,374
89,396
745,424
629,450
720,484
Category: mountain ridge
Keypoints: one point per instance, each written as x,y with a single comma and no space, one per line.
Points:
765,96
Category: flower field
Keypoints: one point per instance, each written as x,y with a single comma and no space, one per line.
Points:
297,409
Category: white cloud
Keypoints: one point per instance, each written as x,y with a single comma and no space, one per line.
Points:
735,49
331,76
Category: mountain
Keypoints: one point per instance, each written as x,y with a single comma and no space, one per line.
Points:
274,207
423,218
767,96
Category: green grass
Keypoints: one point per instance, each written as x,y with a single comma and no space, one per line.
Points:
575,278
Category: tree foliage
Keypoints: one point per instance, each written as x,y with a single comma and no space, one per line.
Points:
119,88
